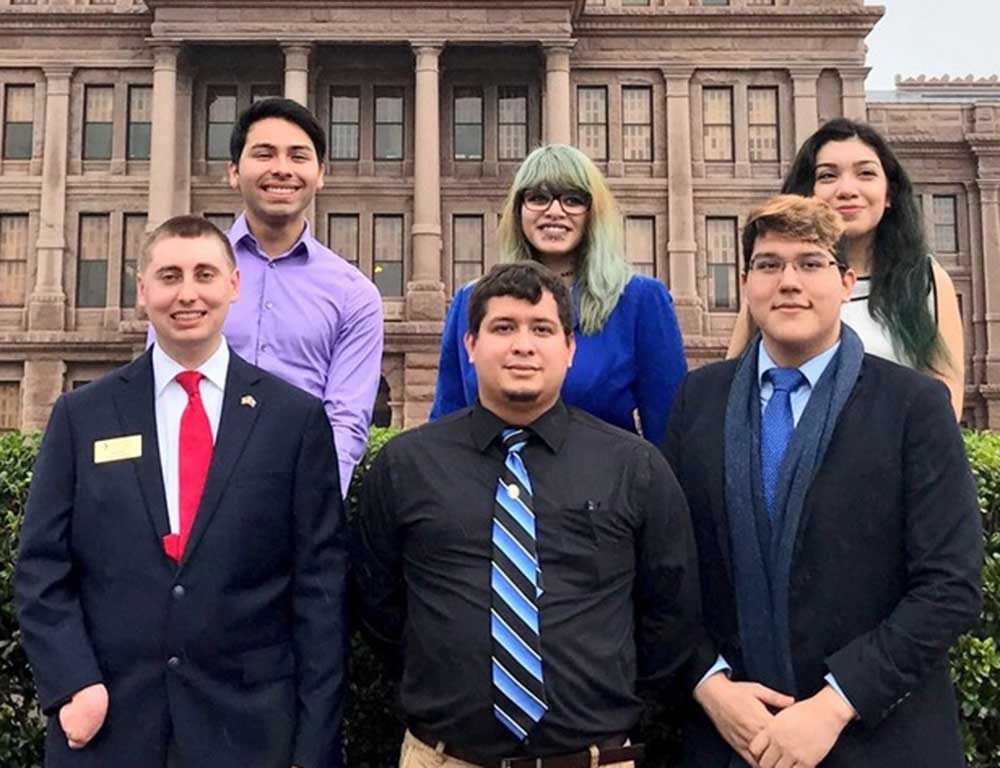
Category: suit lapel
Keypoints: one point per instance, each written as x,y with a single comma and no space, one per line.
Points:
136,408
239,414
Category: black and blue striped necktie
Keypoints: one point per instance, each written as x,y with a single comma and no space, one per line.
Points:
516,584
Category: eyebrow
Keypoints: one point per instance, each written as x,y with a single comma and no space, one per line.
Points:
871,162
770,255
269,145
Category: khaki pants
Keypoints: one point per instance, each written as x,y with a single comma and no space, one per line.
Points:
416,754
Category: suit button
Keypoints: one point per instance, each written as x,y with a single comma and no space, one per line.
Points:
174,662
178,592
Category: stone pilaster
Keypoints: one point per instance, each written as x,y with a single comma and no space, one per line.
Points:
681,246
47,303
855,105
557,94
40,387
425,299
989,196
806,103
163,141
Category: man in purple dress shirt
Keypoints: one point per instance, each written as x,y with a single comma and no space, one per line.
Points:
305,314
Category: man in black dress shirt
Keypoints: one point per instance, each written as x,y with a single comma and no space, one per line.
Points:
531,579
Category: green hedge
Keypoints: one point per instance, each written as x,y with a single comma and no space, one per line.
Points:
374,727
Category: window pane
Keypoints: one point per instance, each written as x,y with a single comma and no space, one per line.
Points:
467,249
92,267
640,244
345,106
20,103
945,229
722,263
218,141
389,107
763,107
13,259
138,141
17,141
592,121
468,142
388,142
140,113
512,110
221,116
100,103
345,116
134,235
10,406
97,141
222,105
344,232
718,122
387,265
388,124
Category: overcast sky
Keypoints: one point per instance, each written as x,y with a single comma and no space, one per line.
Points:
933,37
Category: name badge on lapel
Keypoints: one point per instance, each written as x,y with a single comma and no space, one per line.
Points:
117,449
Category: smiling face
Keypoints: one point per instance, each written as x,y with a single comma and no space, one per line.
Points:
521,354
798,313
553,232
278,173
186,289
851,179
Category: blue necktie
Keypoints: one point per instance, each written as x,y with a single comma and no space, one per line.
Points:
515,581
776,429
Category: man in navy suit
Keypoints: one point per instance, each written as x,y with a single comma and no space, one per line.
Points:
180,582
839,537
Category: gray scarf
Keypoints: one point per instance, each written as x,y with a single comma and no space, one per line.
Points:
762,550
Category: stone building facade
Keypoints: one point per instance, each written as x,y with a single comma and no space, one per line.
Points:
116,115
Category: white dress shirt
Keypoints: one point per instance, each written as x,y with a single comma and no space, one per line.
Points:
171,400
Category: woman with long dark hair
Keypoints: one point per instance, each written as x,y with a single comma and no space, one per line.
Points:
904,305
629,356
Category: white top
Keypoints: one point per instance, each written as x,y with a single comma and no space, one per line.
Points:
874,335
171,400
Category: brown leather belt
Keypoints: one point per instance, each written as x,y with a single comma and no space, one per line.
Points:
613,753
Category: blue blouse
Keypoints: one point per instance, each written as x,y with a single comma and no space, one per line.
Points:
635,362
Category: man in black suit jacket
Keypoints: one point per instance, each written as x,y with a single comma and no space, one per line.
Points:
216,639
838,567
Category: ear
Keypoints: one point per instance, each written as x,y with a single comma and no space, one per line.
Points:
234,175
849,279
319,181
140,291
470,346
234,286
571,343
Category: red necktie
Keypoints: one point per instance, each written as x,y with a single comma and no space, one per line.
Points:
195,456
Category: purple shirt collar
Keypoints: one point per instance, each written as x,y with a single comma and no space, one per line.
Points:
240,234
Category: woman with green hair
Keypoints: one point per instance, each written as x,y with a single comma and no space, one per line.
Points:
629,354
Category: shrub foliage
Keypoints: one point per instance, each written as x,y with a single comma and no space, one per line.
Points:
374,726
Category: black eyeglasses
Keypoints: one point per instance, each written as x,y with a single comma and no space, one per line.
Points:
539,200
808,265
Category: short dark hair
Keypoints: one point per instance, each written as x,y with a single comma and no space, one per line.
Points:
188,227
525,280
284,109
796,218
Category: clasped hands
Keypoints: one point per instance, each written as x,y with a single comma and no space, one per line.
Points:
796,734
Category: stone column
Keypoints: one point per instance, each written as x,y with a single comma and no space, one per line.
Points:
425,298
40,388
989,196
47,303
297,72
557,94
681,247
855,105
297,89
163,141
806,104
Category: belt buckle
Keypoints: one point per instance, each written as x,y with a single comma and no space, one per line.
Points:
508,762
